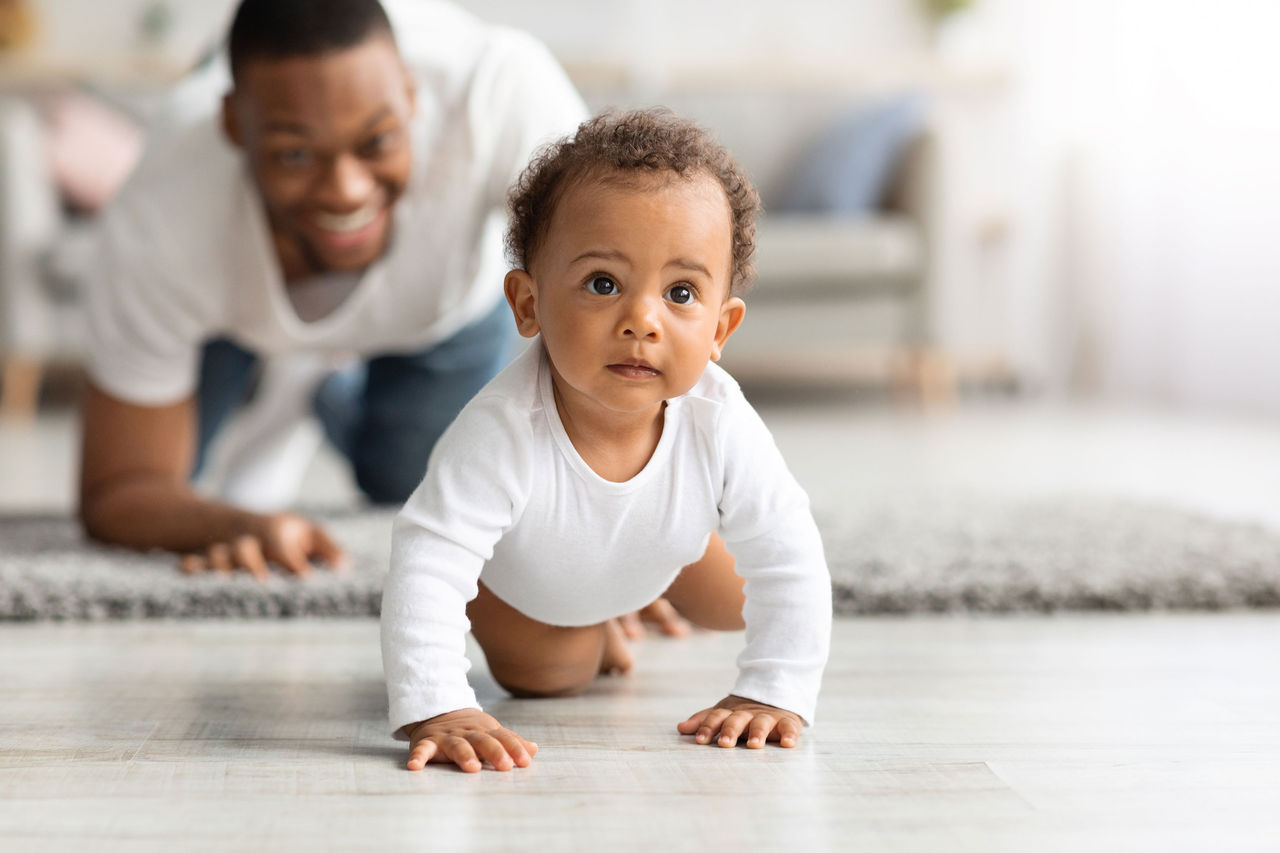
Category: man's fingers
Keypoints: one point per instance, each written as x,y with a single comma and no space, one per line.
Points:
192,564
422,752
220,557
293,558
248,555
328,550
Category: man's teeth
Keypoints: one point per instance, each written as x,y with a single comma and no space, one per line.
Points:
347,221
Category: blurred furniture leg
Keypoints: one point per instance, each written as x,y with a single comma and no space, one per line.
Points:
20,392
30,214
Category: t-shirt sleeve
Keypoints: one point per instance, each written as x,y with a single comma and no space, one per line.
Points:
475,488
766,522
526,98
143,332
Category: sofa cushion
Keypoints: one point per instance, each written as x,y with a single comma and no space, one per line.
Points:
820,253
848,168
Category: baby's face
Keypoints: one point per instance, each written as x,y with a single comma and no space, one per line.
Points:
630,290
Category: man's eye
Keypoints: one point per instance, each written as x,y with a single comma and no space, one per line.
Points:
680,294
294,157
603,286
375,145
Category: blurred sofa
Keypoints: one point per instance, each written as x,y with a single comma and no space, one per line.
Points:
843,287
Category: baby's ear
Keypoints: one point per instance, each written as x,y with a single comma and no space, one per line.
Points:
731,314
522,296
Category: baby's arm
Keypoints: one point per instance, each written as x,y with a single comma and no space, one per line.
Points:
441,539
767,525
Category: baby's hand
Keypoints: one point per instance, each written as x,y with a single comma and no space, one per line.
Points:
468,738
734,716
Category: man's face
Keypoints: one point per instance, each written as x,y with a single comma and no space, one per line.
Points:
327,141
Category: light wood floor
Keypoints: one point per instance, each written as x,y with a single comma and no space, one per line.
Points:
936,733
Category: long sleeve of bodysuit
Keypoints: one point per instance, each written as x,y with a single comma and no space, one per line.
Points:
476,483
767,525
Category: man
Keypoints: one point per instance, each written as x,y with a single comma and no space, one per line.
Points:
347,203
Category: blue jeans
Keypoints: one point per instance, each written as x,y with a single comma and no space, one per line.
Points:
384,415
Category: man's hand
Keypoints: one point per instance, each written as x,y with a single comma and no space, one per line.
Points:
734,716
467,738
284,538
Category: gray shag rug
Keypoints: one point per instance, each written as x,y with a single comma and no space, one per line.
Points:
894,555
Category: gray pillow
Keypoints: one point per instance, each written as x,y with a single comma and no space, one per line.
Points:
847,169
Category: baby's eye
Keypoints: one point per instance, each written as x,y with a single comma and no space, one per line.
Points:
680,294
603,285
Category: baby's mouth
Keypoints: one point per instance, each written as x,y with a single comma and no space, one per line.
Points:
635,368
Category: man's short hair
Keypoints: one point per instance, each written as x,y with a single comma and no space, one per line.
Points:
278,29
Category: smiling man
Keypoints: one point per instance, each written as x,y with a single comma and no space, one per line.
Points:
346,204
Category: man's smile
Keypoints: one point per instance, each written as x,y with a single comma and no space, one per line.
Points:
352,221
359,229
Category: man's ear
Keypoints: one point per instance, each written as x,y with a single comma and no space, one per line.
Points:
731,314
410,90
522,296
230,122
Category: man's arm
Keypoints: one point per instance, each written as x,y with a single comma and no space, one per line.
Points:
134,466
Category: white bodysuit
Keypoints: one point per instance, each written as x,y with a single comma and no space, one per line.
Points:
508,499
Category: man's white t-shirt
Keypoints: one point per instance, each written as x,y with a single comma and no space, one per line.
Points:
186,253
508,500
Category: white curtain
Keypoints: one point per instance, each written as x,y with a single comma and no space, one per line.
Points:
1149,261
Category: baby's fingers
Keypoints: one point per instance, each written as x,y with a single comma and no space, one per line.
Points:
460,752
762,726
520,750
422,752
788,731
709,724
493,750
732,728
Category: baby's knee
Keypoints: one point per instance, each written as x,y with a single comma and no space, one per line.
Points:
543,681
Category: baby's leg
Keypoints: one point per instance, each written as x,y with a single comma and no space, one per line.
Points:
709,592
531,658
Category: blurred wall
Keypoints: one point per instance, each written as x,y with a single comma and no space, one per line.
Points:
106,32
1147,140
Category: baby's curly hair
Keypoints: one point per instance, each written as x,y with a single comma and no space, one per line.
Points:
651,141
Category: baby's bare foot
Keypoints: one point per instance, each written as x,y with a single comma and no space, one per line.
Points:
617,659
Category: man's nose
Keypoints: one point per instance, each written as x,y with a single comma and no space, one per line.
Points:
347,182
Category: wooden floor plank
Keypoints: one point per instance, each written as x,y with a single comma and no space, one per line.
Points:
1069,732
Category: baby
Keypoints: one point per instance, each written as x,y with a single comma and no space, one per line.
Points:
609,455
